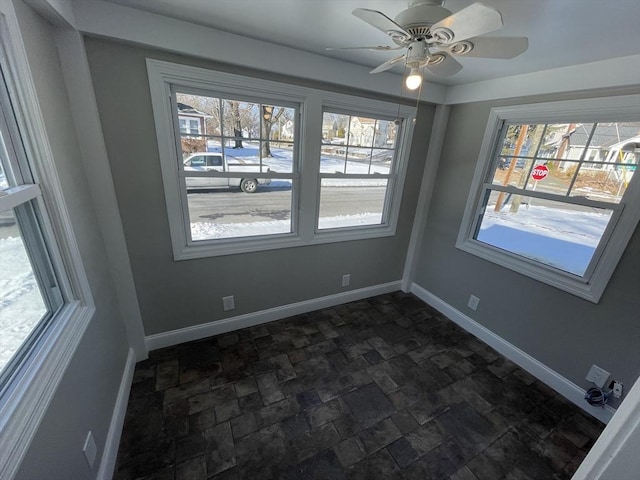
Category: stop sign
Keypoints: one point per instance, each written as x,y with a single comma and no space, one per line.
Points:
539,172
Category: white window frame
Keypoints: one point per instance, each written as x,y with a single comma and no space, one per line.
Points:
29,392
625,216
395,176
294,176
165,77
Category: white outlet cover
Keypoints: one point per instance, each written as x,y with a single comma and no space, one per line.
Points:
90,449
346,280
473,302
598,376
228,303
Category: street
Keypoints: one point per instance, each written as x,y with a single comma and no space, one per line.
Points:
233,206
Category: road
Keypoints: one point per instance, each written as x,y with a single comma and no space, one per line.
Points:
234,206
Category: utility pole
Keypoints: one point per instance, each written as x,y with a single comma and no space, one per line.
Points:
521,137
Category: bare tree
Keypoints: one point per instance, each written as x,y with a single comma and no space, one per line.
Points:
237,125
268,119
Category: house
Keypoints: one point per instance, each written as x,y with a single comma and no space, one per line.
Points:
604,145
190,120
191,123
85,77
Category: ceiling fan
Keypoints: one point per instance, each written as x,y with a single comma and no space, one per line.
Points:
433,35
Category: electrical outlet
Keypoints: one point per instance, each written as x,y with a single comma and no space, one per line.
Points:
346,280
90,450
598,376
228,303
617,389
473,302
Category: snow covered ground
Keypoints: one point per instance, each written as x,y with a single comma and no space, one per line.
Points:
562,238
208,230
21,305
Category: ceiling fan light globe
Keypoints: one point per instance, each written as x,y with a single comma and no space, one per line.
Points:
413,80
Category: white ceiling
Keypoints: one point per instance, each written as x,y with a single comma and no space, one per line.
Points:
561,32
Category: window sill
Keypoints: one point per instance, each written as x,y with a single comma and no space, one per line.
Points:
555,278
233,246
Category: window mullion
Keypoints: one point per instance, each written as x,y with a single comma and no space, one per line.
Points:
15,196
575,200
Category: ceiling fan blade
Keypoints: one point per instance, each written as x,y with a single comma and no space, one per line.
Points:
493,47
446,67
476,19
380,21
388,64
378,47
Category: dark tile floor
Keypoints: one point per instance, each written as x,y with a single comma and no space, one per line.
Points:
385,388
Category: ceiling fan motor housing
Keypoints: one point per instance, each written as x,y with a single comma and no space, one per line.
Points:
419,17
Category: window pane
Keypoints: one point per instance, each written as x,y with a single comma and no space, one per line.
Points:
358,160
386,133
512,171
192,144
361,131
333,159
522,140
551,176
351,202
240,119
513,135
217,210
557,234
381,161
196,111
334,128
280,158
21,303
603,182
572,142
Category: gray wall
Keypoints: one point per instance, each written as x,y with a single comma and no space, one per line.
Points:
562,331
86,396
258,280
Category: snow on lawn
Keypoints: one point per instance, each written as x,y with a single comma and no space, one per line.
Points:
565,239
209,231
21,306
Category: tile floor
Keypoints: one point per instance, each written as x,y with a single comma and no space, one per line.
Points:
384,388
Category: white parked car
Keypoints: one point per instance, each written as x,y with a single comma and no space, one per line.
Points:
216,162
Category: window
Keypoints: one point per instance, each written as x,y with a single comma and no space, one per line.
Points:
268,170
557,197
247,140
30,294
189,126
45,302
357,169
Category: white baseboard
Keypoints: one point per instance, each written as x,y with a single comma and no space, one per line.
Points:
560,384
197,332
110,454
